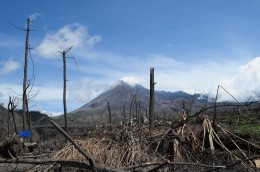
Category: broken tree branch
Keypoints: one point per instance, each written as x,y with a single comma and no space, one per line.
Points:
238,162
63,163
91,162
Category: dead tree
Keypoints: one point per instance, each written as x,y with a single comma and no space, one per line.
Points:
63,55
25,72
24,93
64,89
11,106
27,85
215,110
151,103
109,115
131,106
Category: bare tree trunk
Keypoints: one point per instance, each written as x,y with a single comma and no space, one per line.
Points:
184,115
131,105
25,73
64,90
151,103
109,114
136,109
15,127
215,111
8,125
29,119
11,107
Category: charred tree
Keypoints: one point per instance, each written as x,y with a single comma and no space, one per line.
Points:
11,106
215,110
25,73
64,90
151,103
109,114
63,55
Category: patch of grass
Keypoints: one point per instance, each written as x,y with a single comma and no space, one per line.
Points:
249,129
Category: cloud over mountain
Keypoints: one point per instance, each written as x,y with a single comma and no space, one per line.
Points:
245,83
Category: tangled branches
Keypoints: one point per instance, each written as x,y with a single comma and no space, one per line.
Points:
194,147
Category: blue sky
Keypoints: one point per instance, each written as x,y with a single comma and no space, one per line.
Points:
193,45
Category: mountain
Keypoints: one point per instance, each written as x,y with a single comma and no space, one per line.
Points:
36,117
128,100
3,121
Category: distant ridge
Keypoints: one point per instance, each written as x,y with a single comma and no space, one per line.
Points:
121,95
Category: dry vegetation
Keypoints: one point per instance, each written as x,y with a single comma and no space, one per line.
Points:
193,145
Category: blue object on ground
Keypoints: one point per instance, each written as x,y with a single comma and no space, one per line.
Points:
24,133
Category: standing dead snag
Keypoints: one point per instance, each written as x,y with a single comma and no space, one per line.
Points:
63,55
64,90
109,115
151,103
215,110
11,106
25,73
26,94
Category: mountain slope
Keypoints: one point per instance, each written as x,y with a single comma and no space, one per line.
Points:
127,100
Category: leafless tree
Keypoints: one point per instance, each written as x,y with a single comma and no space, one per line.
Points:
109,115
11,107
26,82
151,103
63,55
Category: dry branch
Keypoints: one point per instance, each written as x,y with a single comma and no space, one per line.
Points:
91,162
63,163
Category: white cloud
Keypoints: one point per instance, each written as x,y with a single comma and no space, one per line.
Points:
91,41
34,16
49,93
170,74
238,77
51,114
9,66
244,83
84,90
131,80
75,35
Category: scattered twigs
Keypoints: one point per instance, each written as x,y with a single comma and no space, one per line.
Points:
45,162
10,154
236,145
236,163
163,164
165,134
91,162
134,148
213,167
